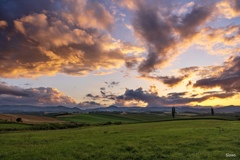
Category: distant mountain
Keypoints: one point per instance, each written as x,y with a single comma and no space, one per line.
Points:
28,108
181,109
229,109
113,108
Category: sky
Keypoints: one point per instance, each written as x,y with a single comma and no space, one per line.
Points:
97,53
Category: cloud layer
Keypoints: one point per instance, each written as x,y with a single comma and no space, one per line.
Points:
58,36
163,31
33,96
73,37
228,79
168,29
172,99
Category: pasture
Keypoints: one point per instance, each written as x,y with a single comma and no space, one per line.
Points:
180,139
101,117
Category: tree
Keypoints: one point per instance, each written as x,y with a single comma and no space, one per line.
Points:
173,112
19,119
212,111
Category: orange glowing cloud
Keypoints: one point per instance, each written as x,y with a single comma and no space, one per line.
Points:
228,8
62,41
3,24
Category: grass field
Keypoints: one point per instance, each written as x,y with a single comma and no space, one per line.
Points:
188,139
100,118
97,118
13,126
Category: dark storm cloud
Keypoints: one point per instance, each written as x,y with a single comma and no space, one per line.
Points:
33,96
228,79
188,24
89,105
131,63
176,94
162,31
170,81
172,99
185,100
86,103
138,94
237,5
94,97
12,9
155,32
12,90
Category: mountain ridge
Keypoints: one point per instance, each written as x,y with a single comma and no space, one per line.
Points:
114,108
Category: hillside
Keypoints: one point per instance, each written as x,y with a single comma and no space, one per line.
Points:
112,108
30,119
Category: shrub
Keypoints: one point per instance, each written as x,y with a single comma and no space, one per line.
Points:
19,119
117,123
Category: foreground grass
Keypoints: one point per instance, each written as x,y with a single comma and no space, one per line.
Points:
197,139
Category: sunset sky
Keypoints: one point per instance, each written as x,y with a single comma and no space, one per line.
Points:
96,53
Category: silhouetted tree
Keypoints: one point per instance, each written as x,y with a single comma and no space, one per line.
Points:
212,111
173,112
19,119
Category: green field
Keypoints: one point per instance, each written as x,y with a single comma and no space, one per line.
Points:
101,118
180,140
98,118
13,126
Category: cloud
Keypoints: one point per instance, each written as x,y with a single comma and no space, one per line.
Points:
188,70
112,84
70,37
3,24
132,5
12,90
184,9
87,14
93,97
104,96
223,40
170,81
172,99
131,63
176,95
163,31
228,79
168,29
33,96
89,105
229,8
73,37
139,95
